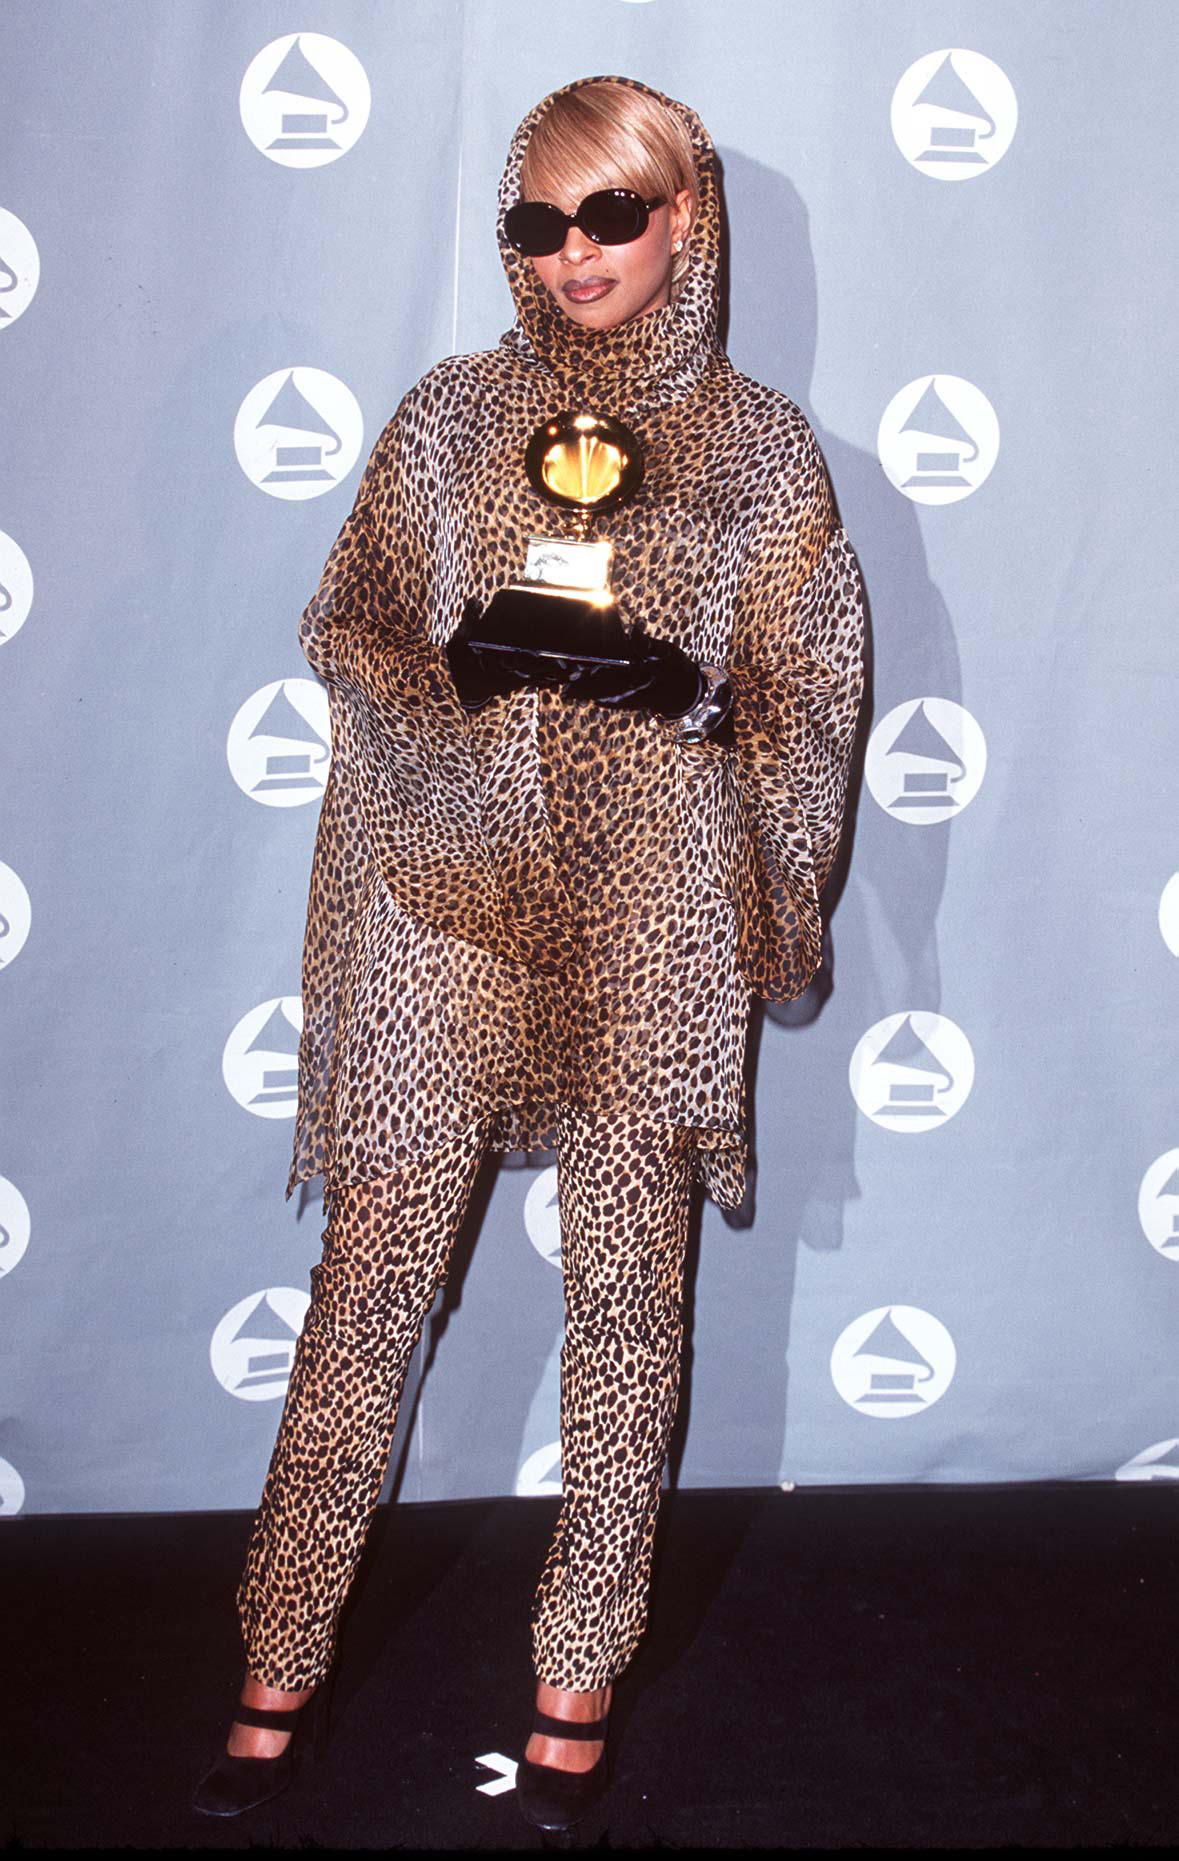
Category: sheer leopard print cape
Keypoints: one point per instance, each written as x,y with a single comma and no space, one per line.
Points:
731,547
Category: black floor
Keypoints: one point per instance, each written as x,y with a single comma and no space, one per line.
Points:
912,1668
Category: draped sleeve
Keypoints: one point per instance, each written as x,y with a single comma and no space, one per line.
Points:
398,725
796,667
402,787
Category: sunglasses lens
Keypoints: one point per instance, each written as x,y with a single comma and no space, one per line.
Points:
614,217
535,228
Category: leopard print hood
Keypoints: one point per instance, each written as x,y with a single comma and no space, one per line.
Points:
653,360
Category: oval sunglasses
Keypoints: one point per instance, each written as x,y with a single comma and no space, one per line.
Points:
612,217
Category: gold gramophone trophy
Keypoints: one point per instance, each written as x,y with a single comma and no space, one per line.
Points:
564,606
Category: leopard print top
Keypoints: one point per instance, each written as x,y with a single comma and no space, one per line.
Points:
544,901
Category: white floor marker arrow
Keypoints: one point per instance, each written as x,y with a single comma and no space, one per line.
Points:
496,1761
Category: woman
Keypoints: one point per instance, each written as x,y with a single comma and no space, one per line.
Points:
543,895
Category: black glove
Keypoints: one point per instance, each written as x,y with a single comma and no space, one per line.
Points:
480,674
660,678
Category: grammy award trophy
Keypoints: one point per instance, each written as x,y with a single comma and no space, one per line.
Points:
563,606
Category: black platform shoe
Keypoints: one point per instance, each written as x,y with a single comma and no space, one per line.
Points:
232,1785
550,1798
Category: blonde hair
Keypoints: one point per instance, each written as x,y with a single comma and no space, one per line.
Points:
608,135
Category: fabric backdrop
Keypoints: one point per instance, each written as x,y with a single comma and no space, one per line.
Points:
230,238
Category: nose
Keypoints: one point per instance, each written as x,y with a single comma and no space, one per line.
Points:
578,247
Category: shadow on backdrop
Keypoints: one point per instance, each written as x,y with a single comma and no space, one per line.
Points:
769,323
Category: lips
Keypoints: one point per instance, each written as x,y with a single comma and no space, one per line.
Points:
587,290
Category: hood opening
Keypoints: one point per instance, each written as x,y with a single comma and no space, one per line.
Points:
648,359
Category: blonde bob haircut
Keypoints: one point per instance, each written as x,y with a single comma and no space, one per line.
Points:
607,135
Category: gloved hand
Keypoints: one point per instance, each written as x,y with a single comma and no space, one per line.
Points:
660,678
480,675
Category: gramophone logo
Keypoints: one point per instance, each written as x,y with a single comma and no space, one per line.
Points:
912,1071
20,267
16,587
16,915
893,1362
938,439
953,115
279,743
541,1473
304,100
1159,1462
15,1225
260,1064
298,433
542,1219
253,1347
12,1490
925,761
1169,914
1158,1204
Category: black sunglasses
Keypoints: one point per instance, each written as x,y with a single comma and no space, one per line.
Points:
612,217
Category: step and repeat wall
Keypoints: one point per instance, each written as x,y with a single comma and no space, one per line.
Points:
231,237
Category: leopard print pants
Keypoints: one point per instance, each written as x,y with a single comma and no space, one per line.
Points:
623,1188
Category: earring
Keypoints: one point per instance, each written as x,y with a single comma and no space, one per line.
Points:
676,246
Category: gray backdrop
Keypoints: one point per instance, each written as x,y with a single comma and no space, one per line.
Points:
951,232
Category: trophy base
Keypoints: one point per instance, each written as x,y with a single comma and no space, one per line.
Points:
557,623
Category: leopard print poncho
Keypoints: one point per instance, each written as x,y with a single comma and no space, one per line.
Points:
549,901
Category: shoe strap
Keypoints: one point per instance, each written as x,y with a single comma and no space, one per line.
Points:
544,1723
268,1721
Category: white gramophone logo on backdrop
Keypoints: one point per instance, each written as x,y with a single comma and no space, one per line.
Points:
12,1490
912,1071
542,1219
1158,1204
1157,1462
279,743
925,762
20,267
938,439
304,100
253,1347
16,587
16,914
953,114
260,1064
893,1362
15,1225
298,433
541,1472
1169,914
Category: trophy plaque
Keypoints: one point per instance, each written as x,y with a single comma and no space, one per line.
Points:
563,606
